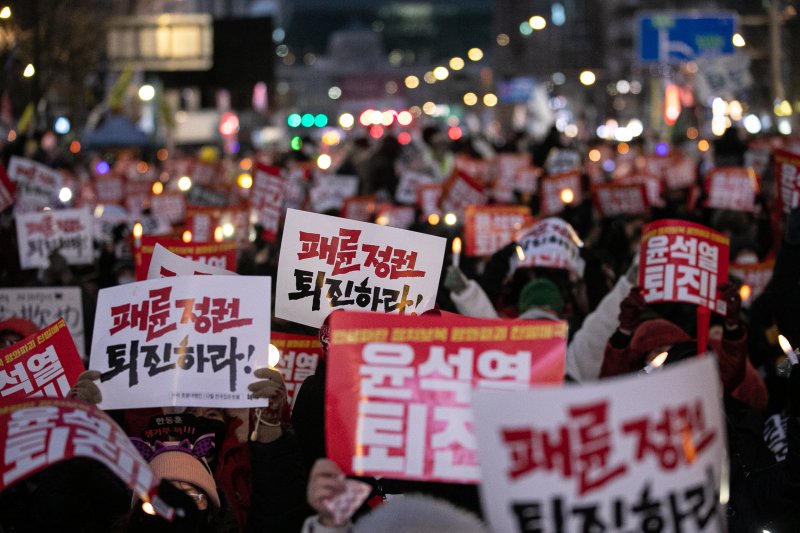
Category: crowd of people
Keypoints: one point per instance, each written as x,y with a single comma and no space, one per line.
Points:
267,469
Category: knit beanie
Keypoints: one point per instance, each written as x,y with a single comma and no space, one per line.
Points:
175,465
540,292
652,334
20,326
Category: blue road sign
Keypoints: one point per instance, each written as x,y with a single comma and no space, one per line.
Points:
680,36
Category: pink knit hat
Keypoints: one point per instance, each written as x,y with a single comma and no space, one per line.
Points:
175,465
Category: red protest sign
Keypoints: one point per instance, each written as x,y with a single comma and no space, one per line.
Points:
398,392
46,363
203,221
507,168
215,254
7,189
613,199
38,433
527,180
683,262
558,191
754,279
300,355
269,189
396,216
474,168
359,208
787,180
489,228
110,189
461,191
733,188
428,198
681,173
169,205
652,185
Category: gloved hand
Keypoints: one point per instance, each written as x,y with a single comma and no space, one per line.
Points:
270,385
325,482
633,271
454,280
733,303
630,311
86,389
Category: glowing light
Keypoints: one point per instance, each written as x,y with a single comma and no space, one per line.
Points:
635,127
433,219
307,120
456,246
245,180
382,220
454,133
662,149
412,82
62,125
567,196
441,73
157,188
148,508
735,110
744,292
375,117
184,183
137,230
102,168
331,138
404,118
162,154
387,117
218,235
365,117
429,78
703,145
537,22
294,120
228,124
324,161
74,146
376,132
334,93
587,77
752,124
228,230
672,104
450,219
571,131
321,120
520,253
296,143
470,99
785,344
273,356
718,125
347,121
65,194
503,39
737,40
5,13
595,155
187,236
784,127
623,148
489,100
475,54
29,71
404,138
456,63
692,133
428,108
146,93
142,167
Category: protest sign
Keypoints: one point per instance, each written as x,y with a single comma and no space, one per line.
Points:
681,173
165,264
558,191
396,216
562,160
44,305
758,155
507,167
37,185
268,192
614,199
137,195
329,262
68,231
213,254
300,355
550,243
527,180
639,453
297,177
489,228
409,184
428,198
360,208
652,186
45,363
398,389
787,180
330,192
461,191
682,261
754,278
733,188
203,222
38,433
170,206
474,168
188,340
7,190
110,189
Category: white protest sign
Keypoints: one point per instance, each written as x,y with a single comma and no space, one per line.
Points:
45,305
189,340
330,192
409,184
40,233
561,160
165,264
37,185
269,190
329,263
550,243
604,454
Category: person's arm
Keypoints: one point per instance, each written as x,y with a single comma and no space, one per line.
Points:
468,297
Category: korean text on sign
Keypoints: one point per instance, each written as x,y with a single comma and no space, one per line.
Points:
588,458
45,363
214,254
329,262
487,229
683,262
37,434
398,391
189,340
787,179
733,188
68,231
300,355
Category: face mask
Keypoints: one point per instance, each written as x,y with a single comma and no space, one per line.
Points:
218,428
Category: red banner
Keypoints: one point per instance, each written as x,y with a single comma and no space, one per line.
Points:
558,191
38,433
7,189
110,189
359,208
754,279
203,221
681,173
269,189
507,168
216,254
169,205
683,262
46,363
398,392
787,179
652,185
733,188
300,355
489,228
461,191
428,198
614,199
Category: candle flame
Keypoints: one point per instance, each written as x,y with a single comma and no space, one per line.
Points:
784,343
659,360
457,245
520,253
567,196
274,356
744,292
137,230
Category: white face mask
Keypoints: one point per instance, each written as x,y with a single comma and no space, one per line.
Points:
125,278
746,258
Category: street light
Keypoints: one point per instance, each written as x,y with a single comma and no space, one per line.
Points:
146,93
587,77
738,40
537,22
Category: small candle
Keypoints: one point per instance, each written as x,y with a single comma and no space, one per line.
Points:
657,362
787,349
456,251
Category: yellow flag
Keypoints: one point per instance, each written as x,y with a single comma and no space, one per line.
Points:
26,120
